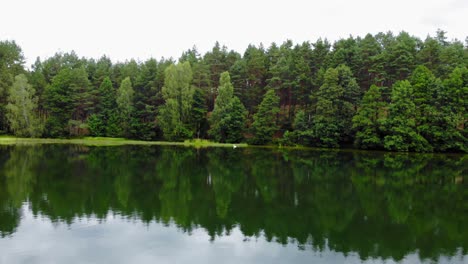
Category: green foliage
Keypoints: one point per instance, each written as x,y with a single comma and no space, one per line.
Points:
147,99
326,124
124,101
105,121
174,115
303,133
198,114
335,106
320,87
21,109
11,65
368,119
265,120
96,126
452,125
67,99
401,124
229,115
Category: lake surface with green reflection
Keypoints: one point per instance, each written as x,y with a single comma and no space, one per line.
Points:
154,204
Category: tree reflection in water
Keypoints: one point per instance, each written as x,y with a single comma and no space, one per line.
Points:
380,205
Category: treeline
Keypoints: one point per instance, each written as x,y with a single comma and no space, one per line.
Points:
383,91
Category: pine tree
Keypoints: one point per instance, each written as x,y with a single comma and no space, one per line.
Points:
401,124
104,120
265,120
367,121
198,113
326,124
147,98
452,126
335,104
67,102
303,133
228,117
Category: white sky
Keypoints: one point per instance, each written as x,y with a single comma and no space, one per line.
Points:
142,28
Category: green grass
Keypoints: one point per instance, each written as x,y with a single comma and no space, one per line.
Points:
107,141
201,143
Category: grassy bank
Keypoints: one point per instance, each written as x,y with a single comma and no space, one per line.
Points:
105,141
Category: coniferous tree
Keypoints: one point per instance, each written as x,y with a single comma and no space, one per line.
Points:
228,117
265,120
401,123
198,113
326,124
104,121
425,87
336,103
67,102
315,105
147,99
452,126
303,133
368,119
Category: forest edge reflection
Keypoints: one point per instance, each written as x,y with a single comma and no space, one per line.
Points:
382,205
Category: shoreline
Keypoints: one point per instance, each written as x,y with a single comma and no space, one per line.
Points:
105,141
197,143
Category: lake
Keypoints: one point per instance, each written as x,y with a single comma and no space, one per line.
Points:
161,204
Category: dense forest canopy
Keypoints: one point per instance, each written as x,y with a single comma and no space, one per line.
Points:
383,91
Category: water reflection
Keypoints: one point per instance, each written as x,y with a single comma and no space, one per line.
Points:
375,205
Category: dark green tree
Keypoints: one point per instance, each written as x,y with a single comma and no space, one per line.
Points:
147,99
452,125
67,101
255,62
335,104
326,124
198,113
105,111
265,120
368,120
401,122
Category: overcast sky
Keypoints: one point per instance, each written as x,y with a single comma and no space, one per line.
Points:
143,28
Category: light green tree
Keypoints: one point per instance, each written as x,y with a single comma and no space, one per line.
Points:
21,107
228,117
125,95
174,115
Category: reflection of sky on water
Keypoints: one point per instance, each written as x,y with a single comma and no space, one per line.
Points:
118,240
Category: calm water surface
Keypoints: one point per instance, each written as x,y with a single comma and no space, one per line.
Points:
134,204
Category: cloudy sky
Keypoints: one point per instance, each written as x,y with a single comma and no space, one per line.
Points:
115,240
140,29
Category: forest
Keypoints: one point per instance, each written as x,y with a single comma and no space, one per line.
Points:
383,91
